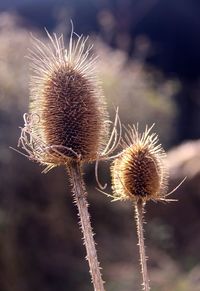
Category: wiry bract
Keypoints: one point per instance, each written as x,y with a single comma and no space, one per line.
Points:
140,171
68,117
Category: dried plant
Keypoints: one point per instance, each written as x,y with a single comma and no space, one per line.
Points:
68,121
139,174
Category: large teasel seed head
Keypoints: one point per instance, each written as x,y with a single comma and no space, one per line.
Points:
140,170
68,116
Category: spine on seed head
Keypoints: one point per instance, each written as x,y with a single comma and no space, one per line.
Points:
68,116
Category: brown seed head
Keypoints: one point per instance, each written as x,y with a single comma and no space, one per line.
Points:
68,117
139,172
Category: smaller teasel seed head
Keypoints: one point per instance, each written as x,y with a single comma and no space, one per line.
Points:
68,119
140,170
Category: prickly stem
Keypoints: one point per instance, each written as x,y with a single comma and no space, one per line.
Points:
80,199
139,212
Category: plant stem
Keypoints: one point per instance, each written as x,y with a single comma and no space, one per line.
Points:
80,198
139,211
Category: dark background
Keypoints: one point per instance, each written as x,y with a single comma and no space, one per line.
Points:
149,64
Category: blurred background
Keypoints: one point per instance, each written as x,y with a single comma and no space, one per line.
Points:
149,64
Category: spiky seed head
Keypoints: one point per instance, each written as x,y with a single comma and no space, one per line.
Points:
140,171
68,116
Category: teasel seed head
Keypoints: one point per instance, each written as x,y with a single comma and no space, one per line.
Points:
68,118
140,170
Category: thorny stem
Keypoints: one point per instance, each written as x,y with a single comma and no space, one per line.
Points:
80,198
139,211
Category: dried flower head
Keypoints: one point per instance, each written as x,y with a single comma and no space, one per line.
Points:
68,118
140,171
